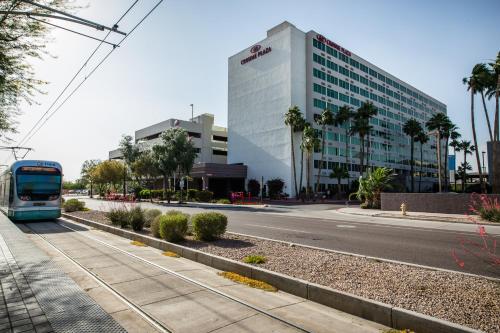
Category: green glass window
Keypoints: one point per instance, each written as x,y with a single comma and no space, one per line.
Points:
354,63
319,89
373,97
319,59
355,101
364,92
363,68
332,93
354,89
332,79
344,98
332,65
343,57
319,74
381,77
381,88
344,71
343,84
363,80
381,100
354,76
372,72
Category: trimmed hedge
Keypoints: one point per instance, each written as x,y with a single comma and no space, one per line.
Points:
155,226
204,196
119,216
73,205
209,226
173,227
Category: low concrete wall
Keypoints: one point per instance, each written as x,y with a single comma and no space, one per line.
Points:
446,203
381,313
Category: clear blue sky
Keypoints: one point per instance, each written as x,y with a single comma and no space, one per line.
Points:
179,56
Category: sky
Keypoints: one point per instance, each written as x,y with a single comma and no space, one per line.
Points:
178,56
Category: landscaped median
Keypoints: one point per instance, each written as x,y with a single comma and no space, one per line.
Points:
392,294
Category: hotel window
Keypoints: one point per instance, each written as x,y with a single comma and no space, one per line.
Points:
381,100
332,94
363,68
319,59
319,89
354,89
388,81
364,93
389,92
319,74
332,65
331,51
332,80
363,80
219,152
373,85
318,45
381,89
343,57
354,63
381,77
395,85
344,71
372,72
355,101
344,84
344,98
319,104
354,76
397,96
373,97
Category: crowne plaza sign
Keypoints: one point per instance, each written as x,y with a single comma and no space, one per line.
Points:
336,46
256,52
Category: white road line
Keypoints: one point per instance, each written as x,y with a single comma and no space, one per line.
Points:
265,226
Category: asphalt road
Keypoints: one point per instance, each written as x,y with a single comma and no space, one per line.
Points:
428,245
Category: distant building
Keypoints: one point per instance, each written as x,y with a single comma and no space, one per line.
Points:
210,140
210,170
291,67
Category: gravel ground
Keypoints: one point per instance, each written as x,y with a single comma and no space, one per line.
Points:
469,301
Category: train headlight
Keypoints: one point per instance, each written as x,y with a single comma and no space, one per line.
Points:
53,197
25,197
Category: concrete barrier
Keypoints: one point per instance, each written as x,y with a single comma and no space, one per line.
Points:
378,312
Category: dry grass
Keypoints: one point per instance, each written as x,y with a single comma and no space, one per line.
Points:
171,254
137,243
247,281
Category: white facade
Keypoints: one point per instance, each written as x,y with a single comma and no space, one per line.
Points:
209,139
291,67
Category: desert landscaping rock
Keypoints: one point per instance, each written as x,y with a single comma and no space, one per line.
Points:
462,299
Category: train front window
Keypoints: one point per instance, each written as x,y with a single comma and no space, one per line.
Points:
38,183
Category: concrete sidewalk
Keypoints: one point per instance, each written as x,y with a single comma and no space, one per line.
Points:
454,218
37,296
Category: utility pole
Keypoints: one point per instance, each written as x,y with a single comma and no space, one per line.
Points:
192,112
484,166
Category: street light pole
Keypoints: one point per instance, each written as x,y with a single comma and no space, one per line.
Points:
192,111
484,166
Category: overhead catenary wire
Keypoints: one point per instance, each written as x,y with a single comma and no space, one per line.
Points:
22,141
93,70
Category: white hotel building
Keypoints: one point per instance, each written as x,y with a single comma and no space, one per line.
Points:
291,67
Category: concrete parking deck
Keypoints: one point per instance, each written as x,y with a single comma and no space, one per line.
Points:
36,296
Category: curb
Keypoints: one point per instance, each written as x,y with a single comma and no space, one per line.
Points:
378,312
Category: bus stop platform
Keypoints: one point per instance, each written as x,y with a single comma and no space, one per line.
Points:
37,296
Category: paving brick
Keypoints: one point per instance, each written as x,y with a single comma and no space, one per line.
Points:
24,328
43,328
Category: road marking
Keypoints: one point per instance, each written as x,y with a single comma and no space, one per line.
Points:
346,226
265,226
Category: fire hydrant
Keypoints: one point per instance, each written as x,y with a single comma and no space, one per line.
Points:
404,208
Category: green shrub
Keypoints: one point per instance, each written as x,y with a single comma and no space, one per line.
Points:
73,205
155,226
150,215
275,187
224,201
173,227
192,194
145,194
137,219
119,216
204,196
255,259
209,226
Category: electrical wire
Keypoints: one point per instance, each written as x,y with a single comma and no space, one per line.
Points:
95,68
22,141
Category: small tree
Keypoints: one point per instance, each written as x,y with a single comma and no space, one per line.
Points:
372,185
339,173
275,187
254,187
130,154
87,173
146,170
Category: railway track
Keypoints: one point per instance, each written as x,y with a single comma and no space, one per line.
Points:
82,239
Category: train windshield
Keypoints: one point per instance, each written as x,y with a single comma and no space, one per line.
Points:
38,183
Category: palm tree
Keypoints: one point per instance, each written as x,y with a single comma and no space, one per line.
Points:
339,173
472,83
310,142
494,90
371,185
422,138
292,119
436,124
449,130
412,128
462,173
362,127
342,118
300,127
325,119
484,81
467,149
455,145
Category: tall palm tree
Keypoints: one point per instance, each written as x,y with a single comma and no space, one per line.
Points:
472,83
467,149
310,142
300,126
436,124
484,81
455,145
342,118
462,173
494,90
422,138
325,119
362,127
339,173
292,119
449,130
412,128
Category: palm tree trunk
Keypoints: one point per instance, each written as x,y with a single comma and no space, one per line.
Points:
293,163
301,169
496,145
455,170
421,166
446,173
464,178
368,152
308,172
439,158
347,157
487,116
322,157
361,154
474,136
497,113
411,166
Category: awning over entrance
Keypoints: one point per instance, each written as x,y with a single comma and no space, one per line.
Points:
220,178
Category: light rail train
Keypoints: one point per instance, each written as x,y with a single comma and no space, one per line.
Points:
31,190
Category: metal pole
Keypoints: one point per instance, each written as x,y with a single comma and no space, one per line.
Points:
192,111
484,166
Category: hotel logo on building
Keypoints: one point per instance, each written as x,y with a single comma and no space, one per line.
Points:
257,52
336,46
